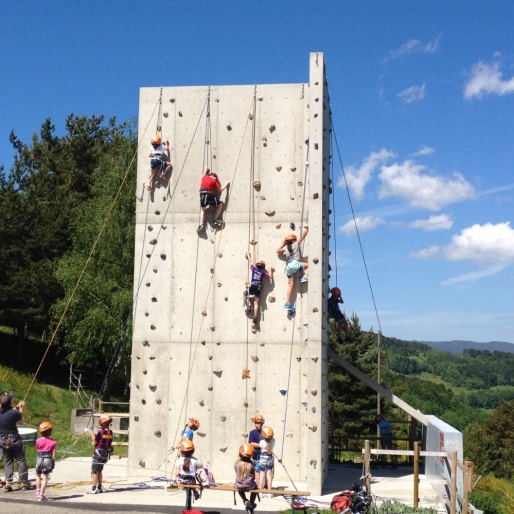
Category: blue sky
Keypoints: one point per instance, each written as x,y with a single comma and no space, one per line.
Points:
422,96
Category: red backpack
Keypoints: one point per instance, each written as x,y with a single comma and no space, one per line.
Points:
342,500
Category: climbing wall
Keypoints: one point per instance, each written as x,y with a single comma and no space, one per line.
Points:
193,351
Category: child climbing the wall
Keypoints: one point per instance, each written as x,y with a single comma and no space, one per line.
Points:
210,189
254,291
266,460
245,476
187,465
334,312
191,427
290,247
103,450
159,161
45,460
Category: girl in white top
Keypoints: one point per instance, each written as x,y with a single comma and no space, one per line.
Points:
159,160
266,460
187,465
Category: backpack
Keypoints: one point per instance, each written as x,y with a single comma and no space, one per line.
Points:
342,501
205,477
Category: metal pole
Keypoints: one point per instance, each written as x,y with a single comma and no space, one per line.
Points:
379,364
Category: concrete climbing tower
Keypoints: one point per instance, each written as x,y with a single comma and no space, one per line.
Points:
193,351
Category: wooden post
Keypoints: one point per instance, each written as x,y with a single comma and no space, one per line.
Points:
468,479
411,434
367,465
453,482
416,474
100,406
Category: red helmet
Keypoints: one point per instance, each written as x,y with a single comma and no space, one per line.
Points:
246,450
195,424
186,445
336,292
267,432
46,425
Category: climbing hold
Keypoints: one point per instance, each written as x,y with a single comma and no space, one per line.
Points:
229,127
304,403
253,242
278,168
209,388
136,418
218,372
224,449
292,226
212,271
293,168
315,359
158,402
250,116
213,328
155,270
142,463
314,392
315,146
270,212
289,434
271,299
154,299
264,142
165,114
254,357
152,357
202,403
152,387
143,402
278,225
282,391
219,284
226,298
210,357
257,185
244,434
245,403
298,358
262,344
262,197
272,128
254,388
147,314
245,373
315,309
180,113
204,313
147,284
150,228
220,255
202,342
163,256
313,427
145,372
260,98
313,409
146,343
315,196
300,183
153,327
315,260
306,141
201,434
223,418
153,242
157,433
157,213
172,100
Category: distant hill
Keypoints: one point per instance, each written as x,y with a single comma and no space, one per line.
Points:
457,347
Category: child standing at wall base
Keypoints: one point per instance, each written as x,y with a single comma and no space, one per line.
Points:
245,476
266,460
45,461
103,450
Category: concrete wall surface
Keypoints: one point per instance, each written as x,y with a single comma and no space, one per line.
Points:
194,353
441,435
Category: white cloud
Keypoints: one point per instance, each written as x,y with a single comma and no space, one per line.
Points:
406,181
413,46
487,79
424,150
474,275
482,244
364,224
440,222
412,94
357,178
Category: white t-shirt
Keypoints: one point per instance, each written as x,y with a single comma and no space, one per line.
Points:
159,152
294,253
194,466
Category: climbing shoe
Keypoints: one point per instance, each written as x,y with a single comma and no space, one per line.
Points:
201,228
28,487
289,306
218,223
8,489
93,491
304,279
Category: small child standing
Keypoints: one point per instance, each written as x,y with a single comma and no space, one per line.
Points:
334,312
191,427
103,450
254,291
245,476
266,460
45,461
187,465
